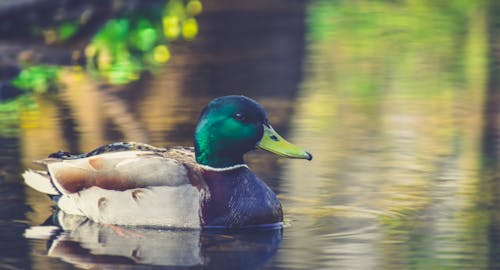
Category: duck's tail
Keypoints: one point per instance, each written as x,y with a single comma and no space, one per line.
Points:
40,180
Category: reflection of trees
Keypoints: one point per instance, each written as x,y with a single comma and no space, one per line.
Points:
491,140
392,109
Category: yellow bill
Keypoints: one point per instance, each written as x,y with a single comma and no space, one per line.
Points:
271,141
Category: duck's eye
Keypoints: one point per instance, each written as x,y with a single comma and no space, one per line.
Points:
239,117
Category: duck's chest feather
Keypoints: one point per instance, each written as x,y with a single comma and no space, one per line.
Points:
237,198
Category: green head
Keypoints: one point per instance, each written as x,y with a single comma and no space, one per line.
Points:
230,126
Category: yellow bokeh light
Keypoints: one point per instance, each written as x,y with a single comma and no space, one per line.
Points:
190,28
171,27
161,54
194,7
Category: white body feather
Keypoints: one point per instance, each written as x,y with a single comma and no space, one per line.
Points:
154,206
166,197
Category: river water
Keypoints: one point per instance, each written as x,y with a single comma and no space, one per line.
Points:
397,101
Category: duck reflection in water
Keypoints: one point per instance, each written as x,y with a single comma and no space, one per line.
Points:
87,244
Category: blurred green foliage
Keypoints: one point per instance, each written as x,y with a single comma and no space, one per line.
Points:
123,47
118,53
133,43
37,78
67,30
422,42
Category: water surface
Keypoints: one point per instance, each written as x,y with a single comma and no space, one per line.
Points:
397,102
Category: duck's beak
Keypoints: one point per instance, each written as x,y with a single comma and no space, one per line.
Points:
271,141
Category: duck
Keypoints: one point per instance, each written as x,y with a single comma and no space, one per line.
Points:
205,186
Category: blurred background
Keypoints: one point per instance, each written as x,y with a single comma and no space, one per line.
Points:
399,102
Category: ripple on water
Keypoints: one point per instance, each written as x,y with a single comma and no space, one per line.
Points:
328,236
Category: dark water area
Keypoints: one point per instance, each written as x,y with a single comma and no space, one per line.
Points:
398,102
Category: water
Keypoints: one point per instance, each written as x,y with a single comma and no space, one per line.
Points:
398,102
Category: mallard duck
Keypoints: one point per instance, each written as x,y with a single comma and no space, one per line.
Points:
208,186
